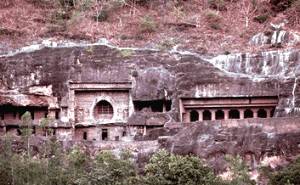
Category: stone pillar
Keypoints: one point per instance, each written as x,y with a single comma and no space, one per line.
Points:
130,105
164,107
186,117
213,114
200,112
71,105
226,114
255,113
269,112
145,130
242,116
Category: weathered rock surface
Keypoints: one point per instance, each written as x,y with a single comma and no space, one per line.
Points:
157,75
253,139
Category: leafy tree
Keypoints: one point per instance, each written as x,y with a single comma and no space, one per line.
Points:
169,169
240,171
111,170
6,169
27,129
77,167
287,176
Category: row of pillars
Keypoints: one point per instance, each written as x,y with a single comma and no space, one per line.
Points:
225,114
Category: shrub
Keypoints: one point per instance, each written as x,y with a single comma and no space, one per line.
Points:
281,5
213,19
167,44
67,3
147,24
126,53
239,171
165,168
217,4
288,175
110,170
261,18
102,15
296,6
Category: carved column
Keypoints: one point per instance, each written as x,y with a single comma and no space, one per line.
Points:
164,107
145,130
200,112
213,114
186,117
242,116
255,115
268,112
226,114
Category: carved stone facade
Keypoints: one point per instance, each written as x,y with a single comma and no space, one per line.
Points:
224,108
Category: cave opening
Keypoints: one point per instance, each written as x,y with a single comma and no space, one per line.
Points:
153,105
234,114
206,115
262,113
194,116
220,115
248,113
84,136
104,134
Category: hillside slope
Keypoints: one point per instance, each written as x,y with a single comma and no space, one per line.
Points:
206,26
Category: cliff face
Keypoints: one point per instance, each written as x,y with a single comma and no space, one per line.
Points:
255,140
157,74
171,75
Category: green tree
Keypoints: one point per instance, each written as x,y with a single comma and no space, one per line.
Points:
240,171
78,167
6,169
26,129
287,176
169,169
108,169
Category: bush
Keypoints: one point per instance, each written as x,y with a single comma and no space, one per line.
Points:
261,18
165,168
101,16
281,5
147,24
213,19
296,6
217,4
288,175
239,170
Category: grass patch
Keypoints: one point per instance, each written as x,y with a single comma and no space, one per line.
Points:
147,25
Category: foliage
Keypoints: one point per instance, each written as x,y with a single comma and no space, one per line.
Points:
213,19
261,18
166,169
53,166
167,44
239,171
147,24
288,175
126,53
217,4
296,6
109,170
101,16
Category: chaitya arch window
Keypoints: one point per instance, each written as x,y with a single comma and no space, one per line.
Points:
103,110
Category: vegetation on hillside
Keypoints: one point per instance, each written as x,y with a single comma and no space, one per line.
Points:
54,166
223,24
